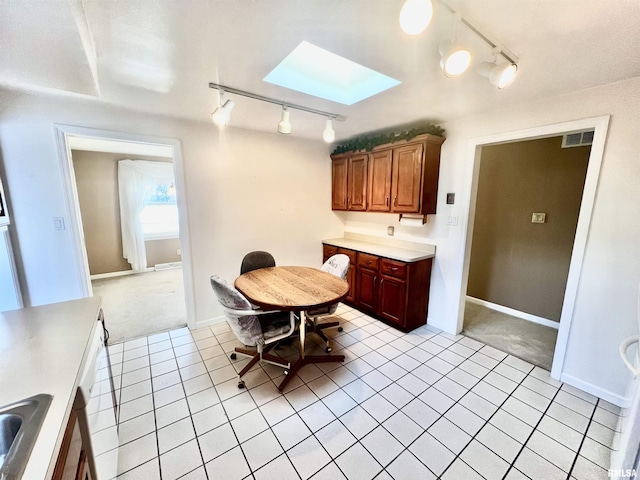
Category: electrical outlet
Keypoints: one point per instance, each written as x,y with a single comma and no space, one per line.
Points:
179,252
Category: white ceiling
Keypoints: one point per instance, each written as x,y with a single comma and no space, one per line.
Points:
158,56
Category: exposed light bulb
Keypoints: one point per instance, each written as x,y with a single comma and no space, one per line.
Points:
415,16
329,134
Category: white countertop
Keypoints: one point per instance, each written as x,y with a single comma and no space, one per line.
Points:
43,351
387,251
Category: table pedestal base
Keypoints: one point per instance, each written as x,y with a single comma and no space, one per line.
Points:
305,361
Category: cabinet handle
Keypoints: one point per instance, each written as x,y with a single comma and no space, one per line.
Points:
348,200
375,279
395,201
394,268
368,262
386,201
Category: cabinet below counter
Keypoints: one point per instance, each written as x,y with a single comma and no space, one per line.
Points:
45,350
389,283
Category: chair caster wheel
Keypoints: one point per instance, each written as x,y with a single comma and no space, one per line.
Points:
340,329
327,349
233,356
240,384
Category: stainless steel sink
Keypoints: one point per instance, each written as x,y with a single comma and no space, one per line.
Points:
20,423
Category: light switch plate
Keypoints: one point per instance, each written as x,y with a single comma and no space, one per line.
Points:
538,217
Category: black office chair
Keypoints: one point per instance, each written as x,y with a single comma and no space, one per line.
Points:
255,260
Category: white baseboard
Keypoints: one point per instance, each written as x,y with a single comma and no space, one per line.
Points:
98,276
167,266
514,313
209,321
610,397
440,326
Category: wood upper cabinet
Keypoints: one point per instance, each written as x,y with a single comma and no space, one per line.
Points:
339,170
380,181
407,176
392,178
349,182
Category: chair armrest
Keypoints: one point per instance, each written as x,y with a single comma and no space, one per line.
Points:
234,311
292,327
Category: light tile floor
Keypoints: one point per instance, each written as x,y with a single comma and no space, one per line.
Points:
421,405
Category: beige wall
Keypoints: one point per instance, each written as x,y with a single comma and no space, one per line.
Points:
162,251
516,263
97,184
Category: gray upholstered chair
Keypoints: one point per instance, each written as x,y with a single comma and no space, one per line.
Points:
253,327
337,265
255,260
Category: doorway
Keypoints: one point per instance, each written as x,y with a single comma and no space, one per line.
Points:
148,298
599,125
527,206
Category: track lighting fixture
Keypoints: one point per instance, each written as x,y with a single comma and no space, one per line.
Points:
500,75
221,114
329,134
454,59
415,16
284,126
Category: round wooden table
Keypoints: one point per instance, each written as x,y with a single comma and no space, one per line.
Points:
294,289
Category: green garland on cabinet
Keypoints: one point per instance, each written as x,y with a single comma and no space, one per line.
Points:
367,143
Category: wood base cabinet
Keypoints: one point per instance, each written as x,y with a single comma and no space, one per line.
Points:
72,461
395,292
329,251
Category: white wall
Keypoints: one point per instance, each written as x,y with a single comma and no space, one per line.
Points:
244,190
248,190
605,310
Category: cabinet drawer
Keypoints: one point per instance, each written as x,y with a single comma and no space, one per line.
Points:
368,261
328,251
349,253
393,268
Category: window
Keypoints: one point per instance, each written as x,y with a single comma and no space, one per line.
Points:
159,217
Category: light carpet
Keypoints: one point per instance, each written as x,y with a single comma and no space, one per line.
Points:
142,304
529,341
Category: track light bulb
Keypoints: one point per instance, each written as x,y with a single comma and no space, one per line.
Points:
454,60
415,16
222,114
500,76
284,126
329,134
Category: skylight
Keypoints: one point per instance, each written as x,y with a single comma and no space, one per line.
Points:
318,72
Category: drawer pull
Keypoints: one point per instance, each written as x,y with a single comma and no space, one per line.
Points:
368,262
395,269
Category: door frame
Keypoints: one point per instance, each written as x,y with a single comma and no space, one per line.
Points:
600,126
81,262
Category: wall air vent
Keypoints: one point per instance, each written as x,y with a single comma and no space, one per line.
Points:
577,139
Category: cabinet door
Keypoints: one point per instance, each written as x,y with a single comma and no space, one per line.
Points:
406,180
339,169
328,251
357,178
366,288
380,181
391,300
351,279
